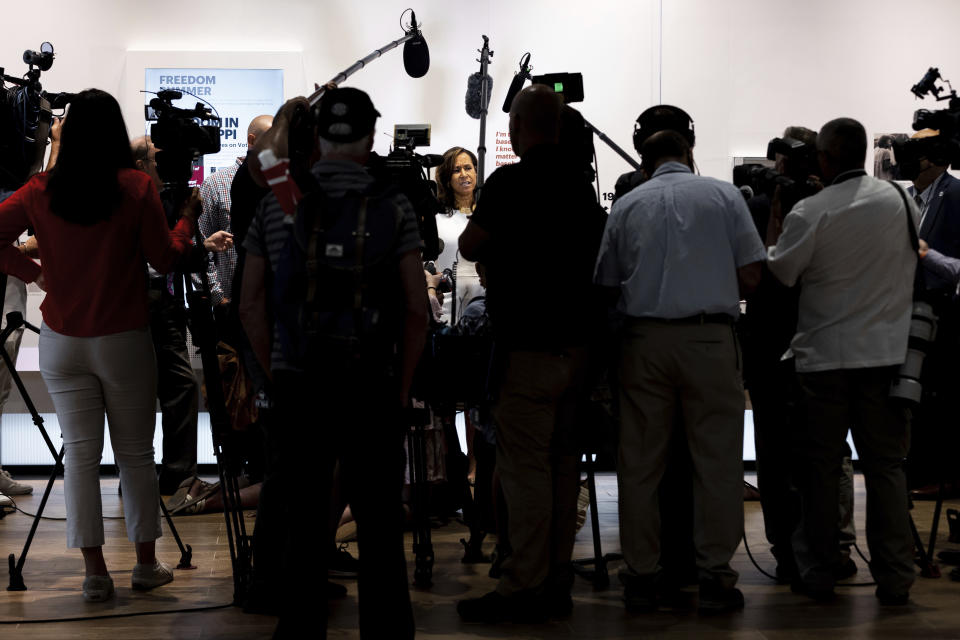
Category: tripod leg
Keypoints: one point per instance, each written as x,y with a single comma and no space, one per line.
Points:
16,568
927,568
186,551
601,578
936,524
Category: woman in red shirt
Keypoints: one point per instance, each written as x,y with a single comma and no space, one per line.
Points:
98,221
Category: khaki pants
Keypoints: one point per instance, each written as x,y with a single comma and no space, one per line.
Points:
690,370
537,462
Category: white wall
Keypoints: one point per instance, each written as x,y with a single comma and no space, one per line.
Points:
742,68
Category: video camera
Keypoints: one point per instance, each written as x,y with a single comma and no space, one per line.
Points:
795,184
181,137
942,149
25,116
406,171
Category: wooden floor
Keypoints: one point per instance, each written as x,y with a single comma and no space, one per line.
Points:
53,576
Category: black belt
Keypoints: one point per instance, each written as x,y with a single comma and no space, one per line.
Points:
700,318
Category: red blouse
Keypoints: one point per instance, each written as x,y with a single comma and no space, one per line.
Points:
96,275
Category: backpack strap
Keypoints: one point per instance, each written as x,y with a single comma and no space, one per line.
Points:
360,238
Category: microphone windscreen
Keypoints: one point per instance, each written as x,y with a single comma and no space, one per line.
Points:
474,93
416,57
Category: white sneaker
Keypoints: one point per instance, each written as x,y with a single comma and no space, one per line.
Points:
97,588
11,487
150,576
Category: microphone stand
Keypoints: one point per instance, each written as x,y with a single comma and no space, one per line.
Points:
485,55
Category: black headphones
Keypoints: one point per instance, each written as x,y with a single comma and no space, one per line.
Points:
662,117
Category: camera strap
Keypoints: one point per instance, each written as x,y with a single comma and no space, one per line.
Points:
911,226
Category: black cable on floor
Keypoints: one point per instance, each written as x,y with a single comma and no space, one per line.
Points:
117,615
746,547
33,515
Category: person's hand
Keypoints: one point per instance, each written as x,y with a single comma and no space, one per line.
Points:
218,242
924,248
30,248
41,282
56,126
815,182
193,207
433,281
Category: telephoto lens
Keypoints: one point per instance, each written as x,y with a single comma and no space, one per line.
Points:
923,331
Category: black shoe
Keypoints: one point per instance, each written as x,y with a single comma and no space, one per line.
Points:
494,608
786,573
892,599
497,558
335,591
715,599
846,570
639,593
559,605
819,594
342,564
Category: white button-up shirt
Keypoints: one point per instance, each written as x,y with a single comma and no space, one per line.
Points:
849,248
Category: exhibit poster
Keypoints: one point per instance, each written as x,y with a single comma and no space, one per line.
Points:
236,95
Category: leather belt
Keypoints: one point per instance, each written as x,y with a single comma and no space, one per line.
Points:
700,318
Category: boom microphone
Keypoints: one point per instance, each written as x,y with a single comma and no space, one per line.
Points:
474,95
516,85
416,55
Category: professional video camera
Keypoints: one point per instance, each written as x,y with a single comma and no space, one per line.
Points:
25,116
795,183
406,171
181,137
942,149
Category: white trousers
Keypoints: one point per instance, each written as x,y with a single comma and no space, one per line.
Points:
114,374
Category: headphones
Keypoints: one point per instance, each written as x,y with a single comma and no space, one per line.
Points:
662,117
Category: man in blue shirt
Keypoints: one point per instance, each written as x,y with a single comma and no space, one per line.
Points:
679,250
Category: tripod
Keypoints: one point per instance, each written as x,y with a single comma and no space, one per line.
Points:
420,498
229,459
15,321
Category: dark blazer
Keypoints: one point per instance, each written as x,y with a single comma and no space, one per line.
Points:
941,227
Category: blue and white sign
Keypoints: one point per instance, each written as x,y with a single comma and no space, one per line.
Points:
236,95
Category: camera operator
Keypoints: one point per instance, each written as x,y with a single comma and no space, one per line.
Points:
14,291
346,372
934,437
559,224
99,219
177,388
766,330
848,344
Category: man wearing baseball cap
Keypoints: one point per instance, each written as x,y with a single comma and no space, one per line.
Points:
341,354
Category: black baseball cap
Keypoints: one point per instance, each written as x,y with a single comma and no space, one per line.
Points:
345,115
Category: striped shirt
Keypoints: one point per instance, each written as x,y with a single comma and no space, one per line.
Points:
270,228
215,196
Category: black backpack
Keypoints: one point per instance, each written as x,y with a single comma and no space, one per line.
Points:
337,294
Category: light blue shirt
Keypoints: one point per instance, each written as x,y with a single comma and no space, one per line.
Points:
673,246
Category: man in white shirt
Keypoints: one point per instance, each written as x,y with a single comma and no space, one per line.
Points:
850,250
